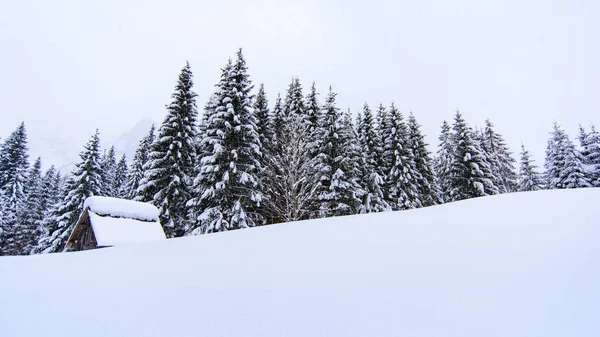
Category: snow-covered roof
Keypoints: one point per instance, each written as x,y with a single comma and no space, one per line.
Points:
121,208
110,231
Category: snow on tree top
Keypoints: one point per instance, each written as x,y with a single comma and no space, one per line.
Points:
122,208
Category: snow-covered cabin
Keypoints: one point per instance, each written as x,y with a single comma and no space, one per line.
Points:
108,222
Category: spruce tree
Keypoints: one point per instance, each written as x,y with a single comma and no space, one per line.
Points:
140,159
277,119
499,156
226,188
427,185
337,187
294,102
263,118
371,150
468,172
170,167
109,167
119,184
401,189
85,181
25,234
529,178
443,161
564,166
14,162
590,152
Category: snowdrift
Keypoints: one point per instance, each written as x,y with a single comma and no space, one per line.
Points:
524,264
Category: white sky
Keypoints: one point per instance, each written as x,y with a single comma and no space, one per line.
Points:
67,67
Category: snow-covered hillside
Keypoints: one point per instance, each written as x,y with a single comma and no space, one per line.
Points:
523,264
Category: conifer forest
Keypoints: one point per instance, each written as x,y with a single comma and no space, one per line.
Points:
240,161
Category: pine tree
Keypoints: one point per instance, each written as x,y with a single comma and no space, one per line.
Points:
499,156
13,175
25,233
119,184
53,195
140,159
370,150
443,161
226,188
468,173
383,128
85,181
401,190
590,151
294,102
564,167
167,177
277,119
529,178
263,119
427,187
314,117
336,188
109,167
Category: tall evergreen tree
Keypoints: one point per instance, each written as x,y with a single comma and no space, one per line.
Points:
109,167
14,162
263,118
401,189
590,152
53,195
85,181
427,186
335,168
277,119
170,167
119,184
499,156
371,150
294,102
529,178
25,233
564,167
468,173
140,159
443,161
226,188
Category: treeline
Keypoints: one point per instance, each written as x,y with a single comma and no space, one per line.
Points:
245,163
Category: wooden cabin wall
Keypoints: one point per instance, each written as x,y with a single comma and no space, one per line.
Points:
85,239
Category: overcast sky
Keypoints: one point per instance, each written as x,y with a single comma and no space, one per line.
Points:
69,67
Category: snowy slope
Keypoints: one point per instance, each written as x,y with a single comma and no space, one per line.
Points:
524,264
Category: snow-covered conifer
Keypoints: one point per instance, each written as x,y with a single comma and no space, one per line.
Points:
468,175
85,181
109,167
226,194
336,188
170,167
443,161
564,163
529,178
371,150
119,184
590,151
140,159
427,185
14,162
499,156
401,189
